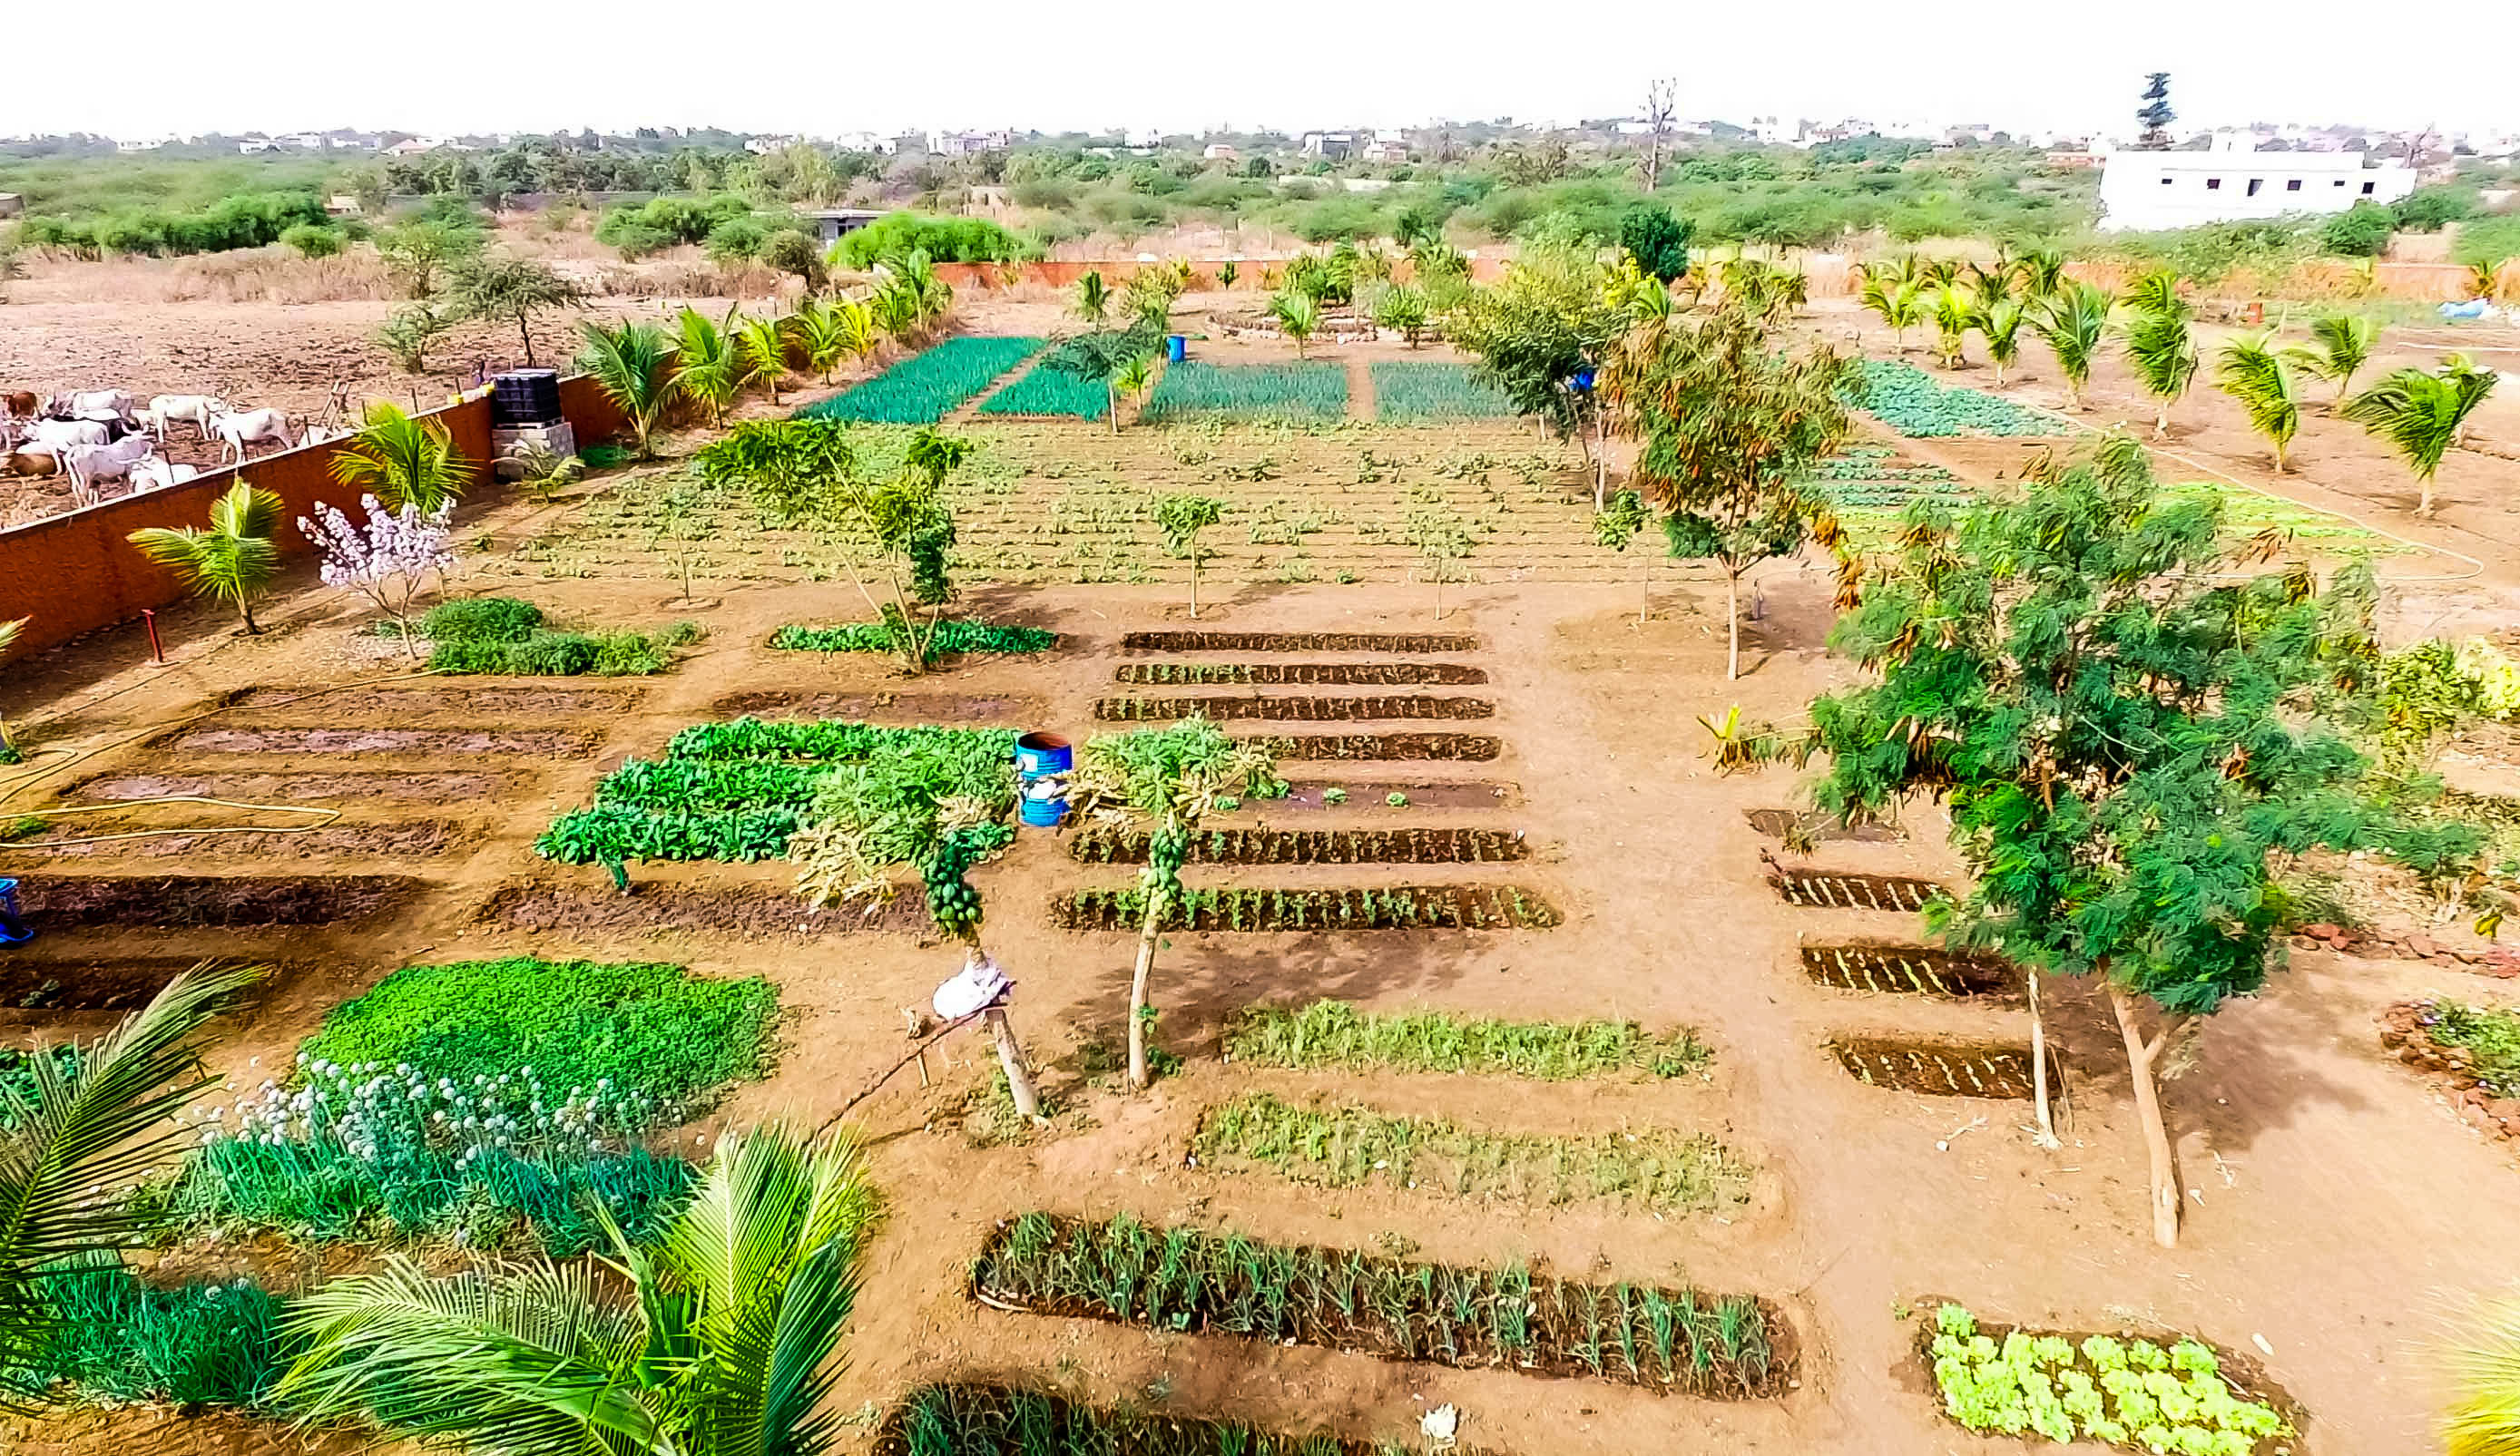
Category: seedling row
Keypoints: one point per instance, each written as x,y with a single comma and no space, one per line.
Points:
1293,709
1298,673
1108,845
1943,1069
1404,642
1413,747
1914,970
968,1418
1396,907
1853,891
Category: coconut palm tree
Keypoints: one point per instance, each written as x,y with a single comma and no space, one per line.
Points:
763,343
2345,343
630,361
2074,323
706,367
2482,1359
1951,317
1938,273
928,297
79,1134
1991,285
2156,292
2160,345
895,311
2042,271
860,334
402,459
1136,378
234,560
1999,324
9,639
817,327
2421,416
2268,383
1298,316
1092,298
1901,302
717,1340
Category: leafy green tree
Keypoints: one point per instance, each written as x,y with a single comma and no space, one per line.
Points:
1403,310
1615,527
632,363
714,1341
78,1134
402,459
1724,426
1181,517
234,560
310,241
2160,345
2155,115
1298,316
2267,382
1656,239
1103,357
410,334
420,253
793,252
2360,231
1538,334
1442,538
2422,414
706,364
1169,779
513,290
2344,342
2075,322
2119,736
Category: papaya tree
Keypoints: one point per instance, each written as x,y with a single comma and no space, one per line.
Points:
1181,518
2124,740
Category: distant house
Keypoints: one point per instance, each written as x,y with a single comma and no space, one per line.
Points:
12,205
2149,191
1219,152
2075,160
831,223
151,145
1387,147
1329,146
970,143
414,147
249,146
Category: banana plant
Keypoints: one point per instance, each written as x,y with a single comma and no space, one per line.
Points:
2267,382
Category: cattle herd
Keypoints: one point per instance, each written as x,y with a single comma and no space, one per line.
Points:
96,435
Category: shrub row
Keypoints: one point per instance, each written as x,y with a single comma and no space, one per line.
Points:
883,637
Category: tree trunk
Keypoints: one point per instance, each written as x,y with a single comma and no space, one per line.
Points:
1601,467
1733,623
1011,1061
526,336
1645,598
2147,1105
2424,507
246,609
1146,937
1193,581
1111,405
2038,1062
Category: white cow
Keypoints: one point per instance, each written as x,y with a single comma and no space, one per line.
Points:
167,409
239,428
52,436
157,473
93,404
86,464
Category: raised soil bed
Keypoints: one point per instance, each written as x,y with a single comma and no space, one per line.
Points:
1467,748
1298,673
294,788
971,1419
1384,908
1104,846
120,984
898,707
1366,795
561,743
1777,823
1292,709
1943,1069
343,701
235,902
1669,1340
1298,641
417,839
762,913
1826,890
1913,970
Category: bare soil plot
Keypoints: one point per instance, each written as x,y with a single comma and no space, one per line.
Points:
765,912
1373,797
559,743
1943,1069
454,786
1776,824
882,707
524,701
1326,747
211,900
103,984
416,839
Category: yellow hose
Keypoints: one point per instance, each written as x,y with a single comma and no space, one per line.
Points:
329,815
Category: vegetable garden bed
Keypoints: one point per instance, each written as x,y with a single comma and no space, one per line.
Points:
1041,392
1411,391
1298,641
924,387
1916,970
296,788
230,902
551,743
1391,907
910,707
1101,845
757,914
1336,1033
1853,891
1292,709
1298,673
2119,1390
116,984
1411,747
411,839
1943,1069
402,701
1919,407
991,1420
1244,392
1669,1340
1369,796
952,637
1649,1171
2473,1049
1776,824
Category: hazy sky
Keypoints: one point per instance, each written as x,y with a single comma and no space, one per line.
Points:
159,67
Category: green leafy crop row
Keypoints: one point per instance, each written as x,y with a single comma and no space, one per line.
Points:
1913,403
921,388
2124,1393
1250,391
1407,391
881,636
1336,1033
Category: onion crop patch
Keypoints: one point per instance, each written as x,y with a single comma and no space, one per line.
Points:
924,387
553,744
1041,392
1103,845
2121,1390
1249,392
1669,1340
969,1419
212,902
1413,747
1825,890
1384,908
1647,1171
1412,391
1919,407
1912,970
1290,709
1298,673
1943,1069
1298,641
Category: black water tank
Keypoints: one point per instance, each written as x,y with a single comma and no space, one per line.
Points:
525,396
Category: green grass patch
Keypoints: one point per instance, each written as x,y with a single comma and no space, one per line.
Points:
1046,393
924,387
506,636
1920,407
2249,514
1410,391
1347,1146
1334,1034
115,1339
1249,391
883,637
2491,1032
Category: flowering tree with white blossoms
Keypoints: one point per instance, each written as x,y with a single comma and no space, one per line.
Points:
389,560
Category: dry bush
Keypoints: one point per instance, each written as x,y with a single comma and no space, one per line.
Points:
257,275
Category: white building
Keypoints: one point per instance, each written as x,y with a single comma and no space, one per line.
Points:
1330,146
150,145
2149,191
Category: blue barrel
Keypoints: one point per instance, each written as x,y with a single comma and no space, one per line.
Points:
13,931
1175,348
1041,756
1043,806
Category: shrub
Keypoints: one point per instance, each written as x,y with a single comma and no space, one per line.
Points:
945,239
2360,231
884,636
243,220
2427,209
313,242
113,1337
552,654
737,240
494,619
674,219
1658,239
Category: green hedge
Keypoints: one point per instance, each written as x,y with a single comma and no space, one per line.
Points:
880,637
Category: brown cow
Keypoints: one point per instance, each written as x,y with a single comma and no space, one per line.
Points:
31,462
22,403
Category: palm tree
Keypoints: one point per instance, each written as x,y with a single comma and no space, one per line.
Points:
2485,279
1992,286
2483,1362
895,311
1951,317
2422,414
764,345
1136,378
817,325
2345,343
1298,316
402,459
2042,271
860,335
629,363
85,1132
920,295
2159,343
2267,382
2156,292
1092,298
1938,273
1901,302
720,1343
705,366
234,560
2000,324
9,639
2074,323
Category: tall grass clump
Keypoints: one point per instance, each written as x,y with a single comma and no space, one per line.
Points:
1336,1033
978,1420
112,1340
